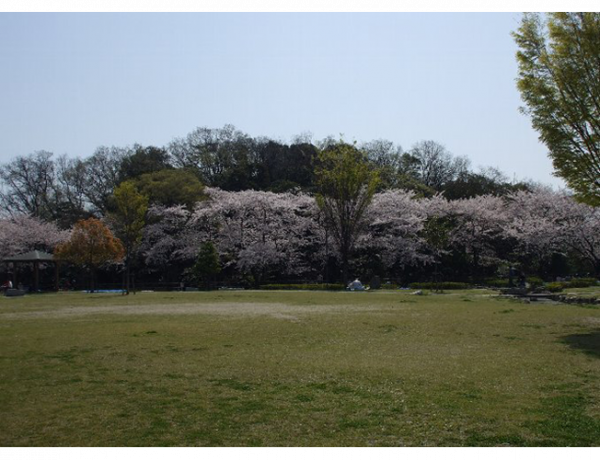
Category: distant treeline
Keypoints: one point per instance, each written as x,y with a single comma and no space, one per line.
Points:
65,190
219,207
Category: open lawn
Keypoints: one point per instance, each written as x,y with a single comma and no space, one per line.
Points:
270,368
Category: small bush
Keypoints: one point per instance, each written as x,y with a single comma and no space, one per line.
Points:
535,282
497,282
554,287
582,282
388,286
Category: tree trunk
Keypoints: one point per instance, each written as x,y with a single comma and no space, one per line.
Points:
475,275
345,280
93,279
345,253
128,275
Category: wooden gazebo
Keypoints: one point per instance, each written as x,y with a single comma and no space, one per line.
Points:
35,257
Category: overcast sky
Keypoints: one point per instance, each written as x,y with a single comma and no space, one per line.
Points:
72,82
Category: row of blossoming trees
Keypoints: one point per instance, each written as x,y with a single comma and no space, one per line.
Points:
283,236
267,237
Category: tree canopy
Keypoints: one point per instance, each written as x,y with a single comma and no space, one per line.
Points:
559,81
91,245
304,210
345,186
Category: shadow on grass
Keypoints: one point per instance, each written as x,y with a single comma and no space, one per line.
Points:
588,343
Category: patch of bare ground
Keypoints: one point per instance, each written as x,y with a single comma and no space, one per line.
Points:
276,310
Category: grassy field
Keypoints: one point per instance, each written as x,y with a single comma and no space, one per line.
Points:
297,368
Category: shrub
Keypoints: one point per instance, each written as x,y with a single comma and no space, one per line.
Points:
388,286
554,287
534,282
582,282
496,282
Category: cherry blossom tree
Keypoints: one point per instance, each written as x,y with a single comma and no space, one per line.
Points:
479,224
395,220
169,237
262,233
23,233
533,224
256,231
579,229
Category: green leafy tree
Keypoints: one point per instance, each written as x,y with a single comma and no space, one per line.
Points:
143,160
207,265
345,185
171,187
129,219
559,81
436,233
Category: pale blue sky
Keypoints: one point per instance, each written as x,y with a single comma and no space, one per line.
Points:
72,82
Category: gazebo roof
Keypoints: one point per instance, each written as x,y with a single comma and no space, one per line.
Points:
33,256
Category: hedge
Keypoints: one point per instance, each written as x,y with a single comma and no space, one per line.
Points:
445,285
303,287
